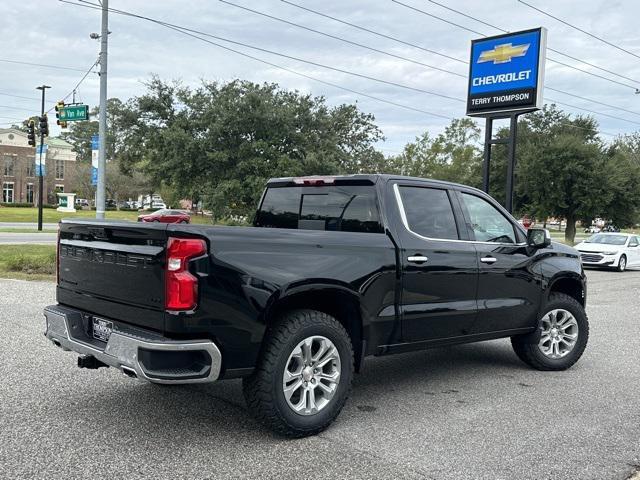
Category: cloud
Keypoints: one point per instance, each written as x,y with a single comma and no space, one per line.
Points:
58,33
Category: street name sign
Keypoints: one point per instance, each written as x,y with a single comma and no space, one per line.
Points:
506,73
74,113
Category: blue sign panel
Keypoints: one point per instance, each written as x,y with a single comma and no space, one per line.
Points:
506,72
95,146
41,158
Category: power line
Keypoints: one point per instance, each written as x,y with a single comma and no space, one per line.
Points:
18,96
275,65
335,37
185,31
459,60
59,67
484,35
78,84
290,57
580,29
548,48
364,29
16,108
592,111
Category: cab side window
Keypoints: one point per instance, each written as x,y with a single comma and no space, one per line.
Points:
486,222
429,212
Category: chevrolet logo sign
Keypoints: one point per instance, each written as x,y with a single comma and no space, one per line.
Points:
503,53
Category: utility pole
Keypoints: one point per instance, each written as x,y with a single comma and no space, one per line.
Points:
40,176
102,120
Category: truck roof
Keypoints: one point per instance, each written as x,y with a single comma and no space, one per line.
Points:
362,178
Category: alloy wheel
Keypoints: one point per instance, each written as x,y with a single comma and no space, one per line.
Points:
559,333
311,375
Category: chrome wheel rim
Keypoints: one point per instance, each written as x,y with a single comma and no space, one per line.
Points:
311,375
622,263
559,333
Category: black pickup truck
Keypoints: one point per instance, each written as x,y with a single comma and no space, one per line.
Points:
334,269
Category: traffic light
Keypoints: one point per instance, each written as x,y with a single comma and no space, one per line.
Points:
59,107
44,125
31,132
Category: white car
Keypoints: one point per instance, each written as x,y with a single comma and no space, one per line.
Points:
615,250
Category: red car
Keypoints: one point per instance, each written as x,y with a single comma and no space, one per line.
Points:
166,216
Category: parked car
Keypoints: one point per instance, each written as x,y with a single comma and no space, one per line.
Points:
613,250
592,229
166,216
82,202
333,270
610,228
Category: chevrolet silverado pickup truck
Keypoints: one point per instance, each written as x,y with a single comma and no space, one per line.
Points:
334,269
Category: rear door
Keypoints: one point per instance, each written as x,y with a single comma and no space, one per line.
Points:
114,270
439,268
508,289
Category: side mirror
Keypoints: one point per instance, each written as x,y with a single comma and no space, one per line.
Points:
538,238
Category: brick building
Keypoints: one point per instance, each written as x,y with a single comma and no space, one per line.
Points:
17,168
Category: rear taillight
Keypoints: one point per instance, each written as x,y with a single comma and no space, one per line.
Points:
181,287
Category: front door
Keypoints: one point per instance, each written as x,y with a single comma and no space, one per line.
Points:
439,272
508,289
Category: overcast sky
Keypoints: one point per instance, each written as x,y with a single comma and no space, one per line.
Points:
52,32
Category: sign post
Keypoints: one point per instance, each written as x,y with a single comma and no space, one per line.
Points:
506,78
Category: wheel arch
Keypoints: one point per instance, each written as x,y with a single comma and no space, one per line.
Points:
572,285
340,302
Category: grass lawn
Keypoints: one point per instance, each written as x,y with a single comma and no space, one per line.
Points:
27,230
28,262
50,215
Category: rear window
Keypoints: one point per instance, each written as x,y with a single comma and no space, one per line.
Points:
338,208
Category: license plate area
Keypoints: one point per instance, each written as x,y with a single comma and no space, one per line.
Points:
102,329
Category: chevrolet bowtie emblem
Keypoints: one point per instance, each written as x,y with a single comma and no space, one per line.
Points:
503,53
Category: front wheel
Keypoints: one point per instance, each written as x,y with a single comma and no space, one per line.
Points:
622,263
561,338
304,374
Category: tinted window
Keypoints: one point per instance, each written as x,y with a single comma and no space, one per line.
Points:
338,208
429,212
487,223
633,241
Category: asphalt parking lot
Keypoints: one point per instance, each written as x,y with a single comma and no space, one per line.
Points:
466,412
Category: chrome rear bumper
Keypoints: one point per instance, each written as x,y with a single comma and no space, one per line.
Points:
150,356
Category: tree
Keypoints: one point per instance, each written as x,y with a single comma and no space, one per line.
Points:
561,169
223,141
452,156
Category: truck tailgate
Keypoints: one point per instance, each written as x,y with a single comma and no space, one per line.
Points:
115,270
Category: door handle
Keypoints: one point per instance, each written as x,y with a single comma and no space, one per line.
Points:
488,260
417,259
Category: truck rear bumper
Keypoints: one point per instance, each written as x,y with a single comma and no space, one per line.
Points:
138,353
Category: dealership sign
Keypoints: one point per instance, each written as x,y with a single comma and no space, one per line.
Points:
506,73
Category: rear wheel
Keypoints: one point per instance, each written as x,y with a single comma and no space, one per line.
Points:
561,338
304,374
622,263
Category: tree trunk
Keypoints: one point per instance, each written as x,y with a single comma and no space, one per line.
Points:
570,231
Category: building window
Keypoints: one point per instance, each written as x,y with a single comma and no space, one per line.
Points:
59,189
31,168
8,166
59,169
7,192
29,192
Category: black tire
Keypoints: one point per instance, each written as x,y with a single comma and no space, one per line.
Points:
622,263
526,346
263,390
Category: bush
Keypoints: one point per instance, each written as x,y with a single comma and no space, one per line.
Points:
23,204
43,264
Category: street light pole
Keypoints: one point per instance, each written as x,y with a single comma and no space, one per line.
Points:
102,120
41,172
